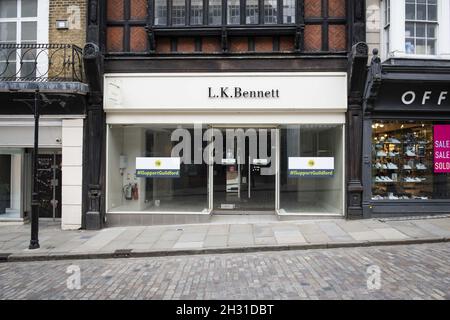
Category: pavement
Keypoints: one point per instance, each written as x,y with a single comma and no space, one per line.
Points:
212,238
418,271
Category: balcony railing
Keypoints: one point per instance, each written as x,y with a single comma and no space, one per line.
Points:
41,62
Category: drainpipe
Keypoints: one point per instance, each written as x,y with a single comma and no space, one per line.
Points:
34,242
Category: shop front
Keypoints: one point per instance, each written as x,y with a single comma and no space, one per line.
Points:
183,147
406,154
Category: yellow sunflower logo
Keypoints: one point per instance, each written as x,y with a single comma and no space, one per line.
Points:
158,163
311,163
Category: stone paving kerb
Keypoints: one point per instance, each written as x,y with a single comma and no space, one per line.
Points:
120,242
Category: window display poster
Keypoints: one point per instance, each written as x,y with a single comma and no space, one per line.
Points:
313,167
441,148
155,167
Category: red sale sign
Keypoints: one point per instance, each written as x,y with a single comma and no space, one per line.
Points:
441,148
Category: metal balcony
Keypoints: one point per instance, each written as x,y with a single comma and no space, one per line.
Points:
41,63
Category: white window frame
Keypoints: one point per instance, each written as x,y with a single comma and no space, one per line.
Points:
42,29
397,32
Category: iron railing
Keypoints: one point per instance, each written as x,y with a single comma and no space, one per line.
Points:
41,62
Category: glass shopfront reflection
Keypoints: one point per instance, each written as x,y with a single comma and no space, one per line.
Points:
289,169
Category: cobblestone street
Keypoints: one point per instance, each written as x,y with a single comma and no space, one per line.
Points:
407,272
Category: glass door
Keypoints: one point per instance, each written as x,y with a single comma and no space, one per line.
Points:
244,170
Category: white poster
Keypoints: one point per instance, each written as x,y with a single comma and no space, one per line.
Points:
158,167
299,167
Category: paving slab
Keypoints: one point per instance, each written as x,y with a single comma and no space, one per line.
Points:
390,233
215,241
267,235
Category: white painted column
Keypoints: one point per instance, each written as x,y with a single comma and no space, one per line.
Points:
16,185
397,28
444,29
72,173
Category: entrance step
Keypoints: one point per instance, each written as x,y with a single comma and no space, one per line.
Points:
243,218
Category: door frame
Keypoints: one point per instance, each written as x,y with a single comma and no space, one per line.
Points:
277,168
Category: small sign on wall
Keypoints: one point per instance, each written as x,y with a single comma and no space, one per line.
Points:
316,167
154,167
441,148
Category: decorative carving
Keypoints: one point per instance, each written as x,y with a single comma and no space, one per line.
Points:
298,38
93,11
91,51
373,80
361,49
151,38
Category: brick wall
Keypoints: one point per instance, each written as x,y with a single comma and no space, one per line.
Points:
75,12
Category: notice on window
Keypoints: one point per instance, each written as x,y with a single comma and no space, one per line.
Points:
153,167
302,167
441,148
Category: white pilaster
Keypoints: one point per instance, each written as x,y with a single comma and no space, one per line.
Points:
397,28
444,29
72,178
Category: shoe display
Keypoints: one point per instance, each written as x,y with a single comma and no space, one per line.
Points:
402,156
421,166
391,166
393,140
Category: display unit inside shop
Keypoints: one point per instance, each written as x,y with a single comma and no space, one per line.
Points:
402,161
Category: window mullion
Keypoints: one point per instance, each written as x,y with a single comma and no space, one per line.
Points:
187,12
261,11
279,11
224,12
205,12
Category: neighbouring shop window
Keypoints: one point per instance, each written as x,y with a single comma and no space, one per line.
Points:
18,25
421,27
144,176
311,164
10,183
410,160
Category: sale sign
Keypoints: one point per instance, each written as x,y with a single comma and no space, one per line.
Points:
441,148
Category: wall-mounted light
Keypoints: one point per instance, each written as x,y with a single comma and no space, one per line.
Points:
62,24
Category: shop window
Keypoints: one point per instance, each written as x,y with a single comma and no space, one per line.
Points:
311,169
407,161
164,183
11,163
421,27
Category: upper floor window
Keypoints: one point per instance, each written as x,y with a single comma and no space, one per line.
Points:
237,12
18,25
421,26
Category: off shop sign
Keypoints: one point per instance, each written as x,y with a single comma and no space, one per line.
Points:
441,148
158,167
310,167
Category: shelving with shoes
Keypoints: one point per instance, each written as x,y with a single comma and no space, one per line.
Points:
402,162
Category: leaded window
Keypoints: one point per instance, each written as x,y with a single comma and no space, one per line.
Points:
237,12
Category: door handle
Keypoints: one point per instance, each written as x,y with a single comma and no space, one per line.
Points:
249,178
